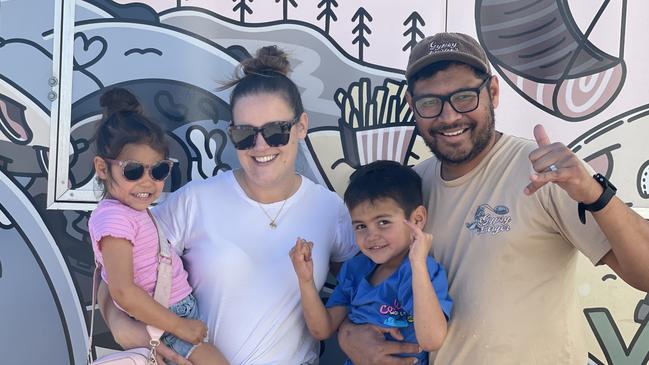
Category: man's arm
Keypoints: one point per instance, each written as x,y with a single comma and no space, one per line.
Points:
628,234
626,230
365,344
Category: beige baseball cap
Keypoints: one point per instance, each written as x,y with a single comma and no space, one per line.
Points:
447,47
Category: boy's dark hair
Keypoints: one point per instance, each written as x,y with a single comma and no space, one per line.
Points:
385,180
123,123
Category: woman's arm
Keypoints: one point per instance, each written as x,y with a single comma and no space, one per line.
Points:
334,267
118,262
128,332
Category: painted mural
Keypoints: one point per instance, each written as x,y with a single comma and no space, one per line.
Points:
580,69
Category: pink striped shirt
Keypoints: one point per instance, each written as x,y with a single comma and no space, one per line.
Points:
112,218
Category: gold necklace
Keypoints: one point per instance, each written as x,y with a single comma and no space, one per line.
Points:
273,221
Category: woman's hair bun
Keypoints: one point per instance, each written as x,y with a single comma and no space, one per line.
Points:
267,59
119,100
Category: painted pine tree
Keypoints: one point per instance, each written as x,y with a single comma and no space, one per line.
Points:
413,30
361,29
285,6
243,8
327,12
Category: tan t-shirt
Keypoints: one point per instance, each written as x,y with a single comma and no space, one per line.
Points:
510,260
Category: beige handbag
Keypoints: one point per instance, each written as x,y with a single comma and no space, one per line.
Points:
141,355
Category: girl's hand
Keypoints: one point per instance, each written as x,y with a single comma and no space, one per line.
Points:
191,330
421,244
301,258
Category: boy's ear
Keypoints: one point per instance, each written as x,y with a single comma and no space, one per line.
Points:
419,216
101,167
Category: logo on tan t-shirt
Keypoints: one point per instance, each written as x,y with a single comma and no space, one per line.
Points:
490,220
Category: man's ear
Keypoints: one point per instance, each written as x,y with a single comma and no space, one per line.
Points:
101,167
494,90
409,100
419,216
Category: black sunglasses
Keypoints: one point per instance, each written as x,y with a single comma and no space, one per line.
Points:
134,170
276,134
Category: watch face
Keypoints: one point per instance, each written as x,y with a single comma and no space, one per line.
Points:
603,181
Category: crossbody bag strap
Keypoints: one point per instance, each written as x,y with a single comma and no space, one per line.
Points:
161,295
162,291
92,311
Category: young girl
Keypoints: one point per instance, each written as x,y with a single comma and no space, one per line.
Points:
394,283
131,166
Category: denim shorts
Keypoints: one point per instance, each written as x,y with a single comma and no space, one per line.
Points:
185,308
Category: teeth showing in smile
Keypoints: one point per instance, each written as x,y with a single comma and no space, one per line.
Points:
143,195
456,133
377,247
264,159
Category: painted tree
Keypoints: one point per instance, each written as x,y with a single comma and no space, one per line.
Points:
285,6
243,8
361,29
413,30
327,12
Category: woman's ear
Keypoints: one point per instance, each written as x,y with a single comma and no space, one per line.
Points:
302,125
101,167
419,216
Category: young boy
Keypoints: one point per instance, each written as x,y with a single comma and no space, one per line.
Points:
394,282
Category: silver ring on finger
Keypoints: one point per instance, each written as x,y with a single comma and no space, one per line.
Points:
552,168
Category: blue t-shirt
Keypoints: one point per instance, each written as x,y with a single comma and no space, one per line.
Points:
389,304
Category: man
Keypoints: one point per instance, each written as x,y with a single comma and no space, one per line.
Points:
508,240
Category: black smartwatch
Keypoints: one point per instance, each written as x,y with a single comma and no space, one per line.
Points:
601,202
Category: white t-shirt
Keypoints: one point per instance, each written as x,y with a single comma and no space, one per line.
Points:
239,266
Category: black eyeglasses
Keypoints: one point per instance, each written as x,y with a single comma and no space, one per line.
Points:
462,101
134,170
276,134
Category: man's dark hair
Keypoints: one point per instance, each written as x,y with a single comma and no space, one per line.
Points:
385,180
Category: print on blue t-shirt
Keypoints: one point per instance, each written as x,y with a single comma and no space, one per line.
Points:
390,303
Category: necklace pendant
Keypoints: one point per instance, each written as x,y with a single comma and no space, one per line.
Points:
272,224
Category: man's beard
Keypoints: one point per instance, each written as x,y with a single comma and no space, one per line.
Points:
480,140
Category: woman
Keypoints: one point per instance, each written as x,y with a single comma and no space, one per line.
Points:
235,230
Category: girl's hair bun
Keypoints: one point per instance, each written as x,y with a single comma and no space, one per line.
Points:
119,100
